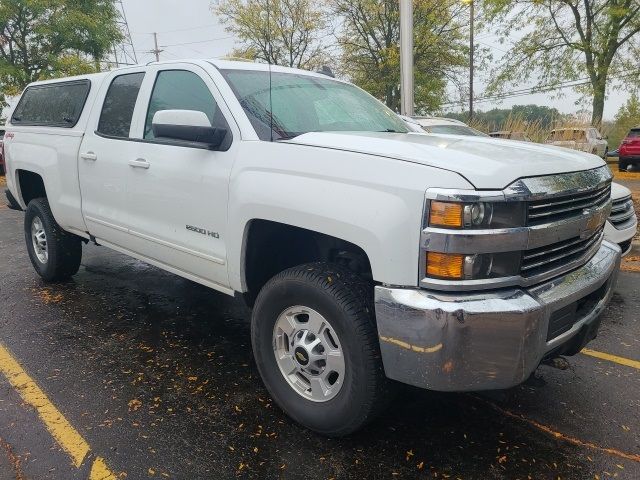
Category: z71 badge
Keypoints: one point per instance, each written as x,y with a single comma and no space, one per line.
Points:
203,231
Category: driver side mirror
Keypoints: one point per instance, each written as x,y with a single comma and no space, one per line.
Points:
188,128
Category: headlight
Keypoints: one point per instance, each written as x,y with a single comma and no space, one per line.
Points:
476,215
448,251
456,266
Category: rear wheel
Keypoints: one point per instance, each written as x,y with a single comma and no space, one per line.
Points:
623,164
316,347
54,253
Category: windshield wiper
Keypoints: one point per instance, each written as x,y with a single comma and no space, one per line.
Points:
390,130
288,136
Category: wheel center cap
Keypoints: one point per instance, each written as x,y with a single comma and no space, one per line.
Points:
302,357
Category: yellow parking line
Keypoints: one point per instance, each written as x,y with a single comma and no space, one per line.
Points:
635,457
67,437
612,358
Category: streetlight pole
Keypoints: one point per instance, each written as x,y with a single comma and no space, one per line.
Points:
471,55
406,57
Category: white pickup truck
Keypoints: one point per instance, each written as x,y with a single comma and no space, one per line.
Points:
369,254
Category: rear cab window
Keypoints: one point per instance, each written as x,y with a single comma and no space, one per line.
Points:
52,104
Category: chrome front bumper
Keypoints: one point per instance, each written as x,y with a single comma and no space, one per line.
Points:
492,339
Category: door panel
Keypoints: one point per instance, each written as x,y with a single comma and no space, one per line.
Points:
177,196
102,162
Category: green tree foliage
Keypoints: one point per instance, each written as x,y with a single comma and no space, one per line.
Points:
627,117
49,38
370,38
282,32
568,40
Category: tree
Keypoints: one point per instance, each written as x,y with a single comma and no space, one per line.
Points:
282,32
370,39
588,42
49,38
627,117
496,118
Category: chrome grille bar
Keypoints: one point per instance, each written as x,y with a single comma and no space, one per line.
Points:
559,252
622,213
544,211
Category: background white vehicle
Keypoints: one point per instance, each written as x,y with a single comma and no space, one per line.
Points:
510,135
622,224
368,254
412,124
586,139
447,126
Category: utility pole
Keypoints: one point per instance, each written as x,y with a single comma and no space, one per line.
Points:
156,50
406,57
471,55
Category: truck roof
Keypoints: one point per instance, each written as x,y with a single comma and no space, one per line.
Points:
89,76
221,64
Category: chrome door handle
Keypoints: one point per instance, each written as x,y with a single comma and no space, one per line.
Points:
89,156
139,163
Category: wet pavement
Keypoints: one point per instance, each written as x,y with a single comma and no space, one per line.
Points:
156,374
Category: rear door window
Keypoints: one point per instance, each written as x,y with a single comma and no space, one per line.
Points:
52,105
119,104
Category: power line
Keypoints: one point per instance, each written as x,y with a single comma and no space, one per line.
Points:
541,89
196,42
492,46
186,29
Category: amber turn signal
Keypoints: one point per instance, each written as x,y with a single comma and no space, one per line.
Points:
445,265
445,214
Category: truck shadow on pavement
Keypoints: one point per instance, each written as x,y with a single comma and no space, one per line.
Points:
159,371
178,358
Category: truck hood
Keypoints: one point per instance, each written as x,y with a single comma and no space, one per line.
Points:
487,163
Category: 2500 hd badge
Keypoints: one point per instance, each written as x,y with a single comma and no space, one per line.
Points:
203,231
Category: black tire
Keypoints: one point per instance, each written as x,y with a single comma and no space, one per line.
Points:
64,250
623,164
346,301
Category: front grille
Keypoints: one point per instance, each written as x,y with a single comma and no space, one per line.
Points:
559,208
622,213
559,254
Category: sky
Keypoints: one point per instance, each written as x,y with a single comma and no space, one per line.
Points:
189,29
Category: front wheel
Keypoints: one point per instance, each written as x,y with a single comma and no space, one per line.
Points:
316,347
54,253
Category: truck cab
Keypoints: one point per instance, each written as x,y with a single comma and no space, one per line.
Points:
370,255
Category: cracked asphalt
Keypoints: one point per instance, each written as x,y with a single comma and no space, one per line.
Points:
156,374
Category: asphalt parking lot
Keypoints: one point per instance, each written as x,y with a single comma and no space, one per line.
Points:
131,372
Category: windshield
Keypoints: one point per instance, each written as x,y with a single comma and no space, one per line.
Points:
303,103
454,130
